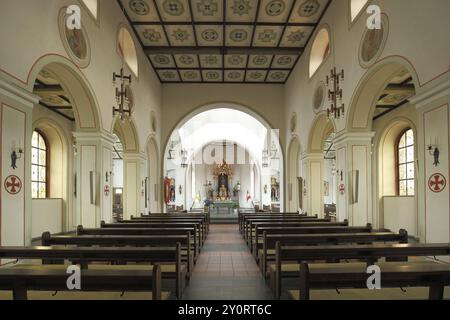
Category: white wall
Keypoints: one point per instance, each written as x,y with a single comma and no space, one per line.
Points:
118,173
47,216
400,213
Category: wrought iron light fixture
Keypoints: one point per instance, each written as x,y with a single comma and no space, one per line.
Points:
171,151
184,156
333,83
265,159
123,96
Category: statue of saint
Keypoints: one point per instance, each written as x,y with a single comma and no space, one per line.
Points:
223,193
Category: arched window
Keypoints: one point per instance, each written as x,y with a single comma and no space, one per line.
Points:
405,163
92,6
127,50
320,51
356,6
39,166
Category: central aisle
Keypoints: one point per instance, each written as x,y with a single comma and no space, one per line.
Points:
226,270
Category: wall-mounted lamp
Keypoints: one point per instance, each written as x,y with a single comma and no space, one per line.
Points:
16,153
433,150
108,175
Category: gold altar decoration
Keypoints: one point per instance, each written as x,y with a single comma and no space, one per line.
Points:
223,169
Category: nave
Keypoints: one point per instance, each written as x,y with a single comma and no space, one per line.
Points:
266,256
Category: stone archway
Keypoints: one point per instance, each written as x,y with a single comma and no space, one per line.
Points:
239,108
363,103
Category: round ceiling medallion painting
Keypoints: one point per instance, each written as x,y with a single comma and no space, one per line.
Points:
372,43
318,98
74,40
293,122
140,7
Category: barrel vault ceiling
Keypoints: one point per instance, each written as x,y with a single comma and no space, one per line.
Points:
224,41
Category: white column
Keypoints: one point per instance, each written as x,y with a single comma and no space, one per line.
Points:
433,128
16,105
133,183
93,163
313,177
354,167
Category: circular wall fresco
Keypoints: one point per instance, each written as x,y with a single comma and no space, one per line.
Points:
373,42
319,97
75,41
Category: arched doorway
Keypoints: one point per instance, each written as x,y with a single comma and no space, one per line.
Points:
66,99
223,133
130,163
318,164
379,102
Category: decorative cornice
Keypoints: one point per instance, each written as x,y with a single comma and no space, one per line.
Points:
429,96
18,94
344,137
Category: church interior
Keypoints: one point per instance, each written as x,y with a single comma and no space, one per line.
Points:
224,150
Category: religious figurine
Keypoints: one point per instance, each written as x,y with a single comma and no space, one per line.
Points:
223,193
14,160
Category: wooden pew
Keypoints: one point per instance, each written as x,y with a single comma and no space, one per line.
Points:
306,230
204,216
368,253
251,240
19,281
247,221
267,252
393,275
81,231
124,240
110,280
250,224
198,221
138,225
244,216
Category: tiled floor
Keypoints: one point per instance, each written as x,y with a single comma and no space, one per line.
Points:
226,270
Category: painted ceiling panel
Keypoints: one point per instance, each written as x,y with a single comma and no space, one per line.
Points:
246,40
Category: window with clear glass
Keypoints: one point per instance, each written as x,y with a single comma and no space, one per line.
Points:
39,152
406,164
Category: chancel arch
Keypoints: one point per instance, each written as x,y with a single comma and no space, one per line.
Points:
221,133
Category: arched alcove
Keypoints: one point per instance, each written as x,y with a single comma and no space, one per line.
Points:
320,50
76,86
127,49
371,86
401,210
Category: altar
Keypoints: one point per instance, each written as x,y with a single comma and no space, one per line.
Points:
225,206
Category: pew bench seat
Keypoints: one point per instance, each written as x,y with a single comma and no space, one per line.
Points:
85,296
168,271
393,275
21,280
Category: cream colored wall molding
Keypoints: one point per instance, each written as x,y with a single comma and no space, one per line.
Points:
18,94
346,137
134,156
429,96
94,136
312,156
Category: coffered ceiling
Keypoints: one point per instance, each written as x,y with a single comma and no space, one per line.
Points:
225,41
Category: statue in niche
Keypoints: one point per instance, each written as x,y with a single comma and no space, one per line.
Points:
223,193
